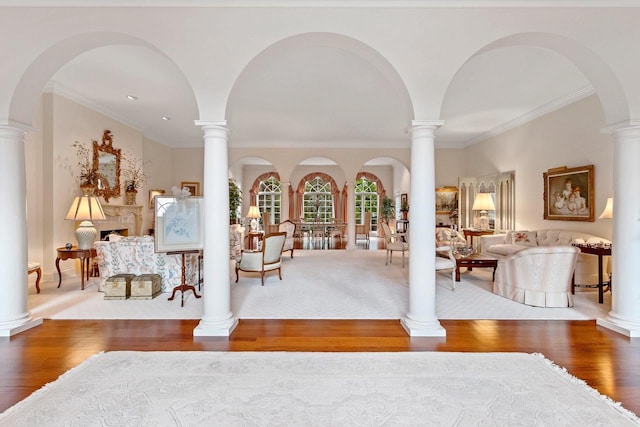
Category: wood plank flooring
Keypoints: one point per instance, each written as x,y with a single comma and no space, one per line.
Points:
606,360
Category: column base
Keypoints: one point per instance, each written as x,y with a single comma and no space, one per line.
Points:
17,327
351,247
630,329
422,329
222,328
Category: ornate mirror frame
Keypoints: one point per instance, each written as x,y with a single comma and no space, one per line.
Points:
108,184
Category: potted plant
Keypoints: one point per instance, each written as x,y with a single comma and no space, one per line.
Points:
404,208
387,208
235,199
134,177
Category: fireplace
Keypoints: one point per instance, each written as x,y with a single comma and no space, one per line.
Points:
120,231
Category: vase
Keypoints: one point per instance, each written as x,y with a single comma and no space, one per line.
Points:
87,189
130,197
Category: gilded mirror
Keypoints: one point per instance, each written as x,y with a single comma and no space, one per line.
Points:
106,161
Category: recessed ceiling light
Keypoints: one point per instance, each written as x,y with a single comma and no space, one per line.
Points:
165,118
132,97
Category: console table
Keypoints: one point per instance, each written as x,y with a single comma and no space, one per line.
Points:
471,233
599,251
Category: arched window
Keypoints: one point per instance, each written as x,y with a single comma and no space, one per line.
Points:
366,193
269,198
317,202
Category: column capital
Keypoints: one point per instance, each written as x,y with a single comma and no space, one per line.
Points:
421,128
12,132
214,129
628,133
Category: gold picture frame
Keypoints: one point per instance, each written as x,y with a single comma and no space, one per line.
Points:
193,186
569,194
446,200
152,195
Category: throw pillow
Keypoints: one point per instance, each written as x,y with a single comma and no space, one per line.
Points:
525,238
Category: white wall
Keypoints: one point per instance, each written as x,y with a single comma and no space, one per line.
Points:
568,137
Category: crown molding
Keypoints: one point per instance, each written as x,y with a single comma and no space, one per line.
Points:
326,3
534,114
319,144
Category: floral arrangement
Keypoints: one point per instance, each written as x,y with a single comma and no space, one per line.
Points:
133,173
88,174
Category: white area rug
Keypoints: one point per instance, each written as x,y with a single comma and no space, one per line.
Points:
317,389
317,284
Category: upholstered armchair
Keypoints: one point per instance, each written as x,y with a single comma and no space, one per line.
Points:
267,259
289,228
538,275
393,243
446,261
446,236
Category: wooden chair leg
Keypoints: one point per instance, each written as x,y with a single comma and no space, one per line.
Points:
262,277
38,276
237,275
280,272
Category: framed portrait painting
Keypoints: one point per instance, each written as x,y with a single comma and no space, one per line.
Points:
569,194
194,187
179,224
446,200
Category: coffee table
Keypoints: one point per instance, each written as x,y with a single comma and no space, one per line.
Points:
475,261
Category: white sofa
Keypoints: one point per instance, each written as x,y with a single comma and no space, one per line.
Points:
136,255
586,269
538,276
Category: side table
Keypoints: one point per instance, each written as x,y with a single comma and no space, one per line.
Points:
84,255
599,251
257,236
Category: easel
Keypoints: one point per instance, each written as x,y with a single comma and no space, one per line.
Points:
183,286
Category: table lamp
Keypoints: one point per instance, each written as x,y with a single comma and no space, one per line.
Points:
483,203
608,209
254,214
85,208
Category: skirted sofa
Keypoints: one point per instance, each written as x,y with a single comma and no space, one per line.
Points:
536,267
136,255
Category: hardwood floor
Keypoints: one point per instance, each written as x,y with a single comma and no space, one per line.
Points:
606,360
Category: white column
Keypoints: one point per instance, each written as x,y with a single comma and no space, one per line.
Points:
217,318
14,314
351,216
624,316
421,320
284,201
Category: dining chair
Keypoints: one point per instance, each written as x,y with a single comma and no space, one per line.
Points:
393,243
364,228
269,258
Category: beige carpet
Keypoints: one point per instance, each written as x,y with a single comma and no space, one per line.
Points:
316,284
317,389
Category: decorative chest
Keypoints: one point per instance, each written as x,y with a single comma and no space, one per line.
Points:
146,286
118,286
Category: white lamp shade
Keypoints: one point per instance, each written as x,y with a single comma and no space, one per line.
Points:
254,212
608,209
85,208
483,202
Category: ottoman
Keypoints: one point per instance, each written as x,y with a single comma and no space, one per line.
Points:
146,286
118,286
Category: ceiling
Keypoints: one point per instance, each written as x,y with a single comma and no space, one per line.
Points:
320,96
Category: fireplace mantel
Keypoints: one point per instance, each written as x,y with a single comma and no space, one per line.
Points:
123,213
